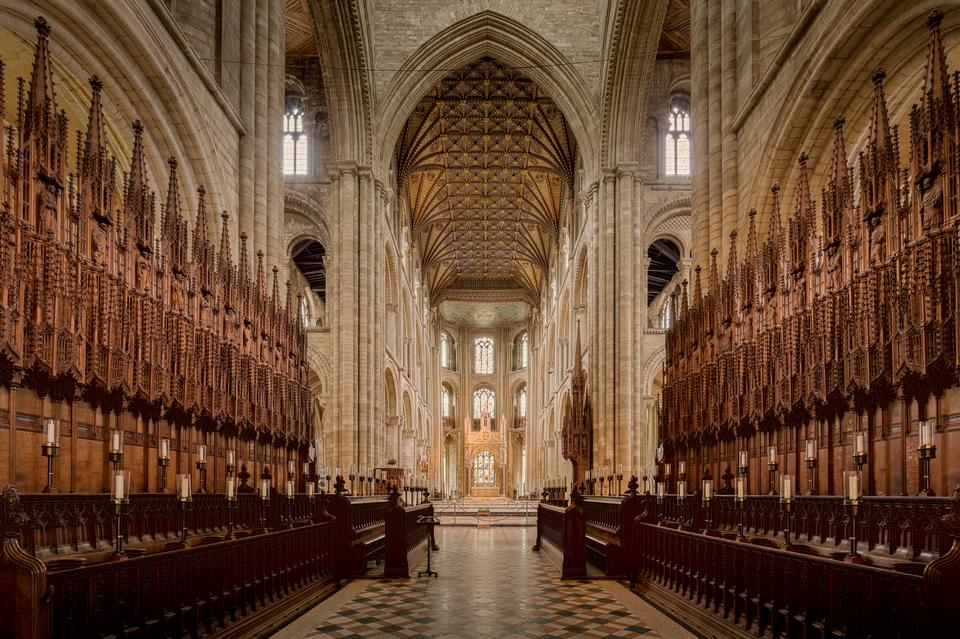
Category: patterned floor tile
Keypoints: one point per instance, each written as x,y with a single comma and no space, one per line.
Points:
490,585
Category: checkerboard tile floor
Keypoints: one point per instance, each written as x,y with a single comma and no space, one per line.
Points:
490,585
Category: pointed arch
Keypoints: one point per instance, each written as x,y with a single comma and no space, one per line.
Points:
487,33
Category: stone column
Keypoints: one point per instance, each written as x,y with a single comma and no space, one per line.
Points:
248,97
700,98
715,133
273,135
728,67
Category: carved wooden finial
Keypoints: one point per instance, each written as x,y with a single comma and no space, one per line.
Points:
43,28
12,515
879,75
933,20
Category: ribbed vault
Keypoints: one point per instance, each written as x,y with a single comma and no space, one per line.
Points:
486,164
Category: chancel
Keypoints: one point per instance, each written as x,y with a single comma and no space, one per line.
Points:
373,318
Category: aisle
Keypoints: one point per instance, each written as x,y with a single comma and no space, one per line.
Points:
490,585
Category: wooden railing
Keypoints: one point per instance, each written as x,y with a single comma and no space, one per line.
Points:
405,538
772,592
901,529
63,524
565,529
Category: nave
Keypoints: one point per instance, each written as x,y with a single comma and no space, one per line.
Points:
490,584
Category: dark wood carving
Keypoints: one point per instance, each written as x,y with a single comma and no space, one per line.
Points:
577,433
106,305
821,333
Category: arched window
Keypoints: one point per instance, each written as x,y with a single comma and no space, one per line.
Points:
484,401
304,318
446,401
448,352
666,314
484,471
522,402
521,351
294,143
677,151
483,356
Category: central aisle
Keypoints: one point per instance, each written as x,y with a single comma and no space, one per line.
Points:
490,585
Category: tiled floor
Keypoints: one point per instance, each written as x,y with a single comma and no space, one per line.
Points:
490,585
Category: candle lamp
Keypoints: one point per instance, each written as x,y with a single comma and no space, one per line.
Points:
163,460
115,454
744,462
184,497
646,489
311,498
231,461
264,501
602,479
619,476
706,496
202,467
811,462
681,470
851,503
230,493
741,500
119,495
291,468
682,501
859,450
772,466
661,491
50,448
609,473
352,476
363,479
926,451
786,506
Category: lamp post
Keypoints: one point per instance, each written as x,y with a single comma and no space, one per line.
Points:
851,504
202,467
811,462
163,460
184,497
119,495
772,467
115,454
50,448
706,494
786,506
230,492
741,499
264,501
926,451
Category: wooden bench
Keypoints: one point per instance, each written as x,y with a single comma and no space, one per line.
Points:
360,531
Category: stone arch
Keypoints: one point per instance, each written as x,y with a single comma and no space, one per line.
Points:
343,49
487,33
314,225
651,368
627,72
580,280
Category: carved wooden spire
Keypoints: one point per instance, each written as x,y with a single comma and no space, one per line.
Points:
138,199
96,170
43,132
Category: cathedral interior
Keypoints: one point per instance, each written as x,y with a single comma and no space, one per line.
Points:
630,318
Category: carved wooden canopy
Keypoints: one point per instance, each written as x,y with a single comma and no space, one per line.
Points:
486,165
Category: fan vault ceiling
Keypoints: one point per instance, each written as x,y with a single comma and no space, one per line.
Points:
486,165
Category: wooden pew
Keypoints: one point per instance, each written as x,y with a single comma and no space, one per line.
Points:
226,588
727,587
565,530
406,540
359,529
609,531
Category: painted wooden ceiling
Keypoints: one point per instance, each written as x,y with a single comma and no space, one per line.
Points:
486,165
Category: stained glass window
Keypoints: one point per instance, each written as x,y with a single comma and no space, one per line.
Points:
484,401
484,470
677,147
294,144
483,356
522,402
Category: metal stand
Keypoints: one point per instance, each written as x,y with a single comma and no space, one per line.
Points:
430,521
163,462
50,451
119,514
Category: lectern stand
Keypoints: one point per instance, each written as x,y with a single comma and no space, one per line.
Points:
431,521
